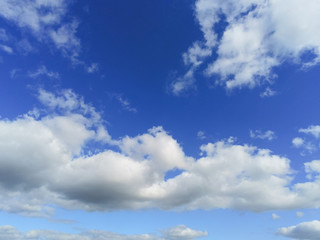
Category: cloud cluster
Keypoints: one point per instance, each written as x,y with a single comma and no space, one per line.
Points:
63,155
45,20
180,232
302,231
307,146
259,36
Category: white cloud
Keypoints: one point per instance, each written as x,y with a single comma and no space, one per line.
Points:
35,14
302,231
181,232
268,93
65,40
94,67
184,83
260,35
175,233
6,48
44,19
297,142
43,71
275,216
306,146
42,152
313,130
269,135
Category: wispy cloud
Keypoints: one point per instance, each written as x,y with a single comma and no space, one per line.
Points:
43,71
258,134
201,135
45,21
6,48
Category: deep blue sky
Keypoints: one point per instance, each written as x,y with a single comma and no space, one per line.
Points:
176,119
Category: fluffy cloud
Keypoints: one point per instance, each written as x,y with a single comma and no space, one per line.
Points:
175,233
302,231
259,35
62,154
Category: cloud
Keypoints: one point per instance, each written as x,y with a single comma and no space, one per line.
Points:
94,67
297,142
43,151
184,83
175,233
259,36
201,135
302,231
269,135
3,35
308,146
45,21
181,232
268,93
275,216
313,130
43,71
6,48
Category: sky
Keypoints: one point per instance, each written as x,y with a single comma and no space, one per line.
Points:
159,120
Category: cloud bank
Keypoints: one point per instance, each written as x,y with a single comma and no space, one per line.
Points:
62,155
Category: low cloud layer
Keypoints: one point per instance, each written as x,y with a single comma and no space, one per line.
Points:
180,232
259,36
45,158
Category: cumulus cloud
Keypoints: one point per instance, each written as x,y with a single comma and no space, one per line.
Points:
45,21
175,233
62,154
302,231
269,135
259,36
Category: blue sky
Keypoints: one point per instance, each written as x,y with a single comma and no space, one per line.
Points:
159,120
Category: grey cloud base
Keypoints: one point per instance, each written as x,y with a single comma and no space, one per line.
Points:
43,160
